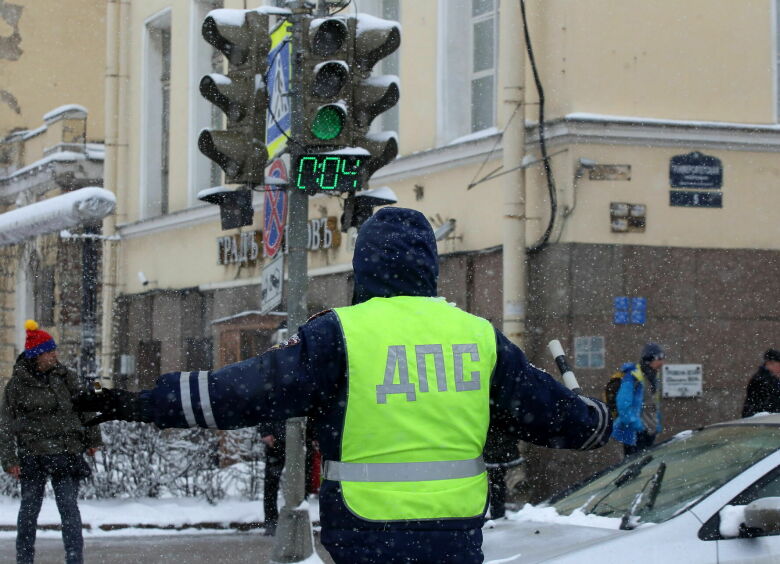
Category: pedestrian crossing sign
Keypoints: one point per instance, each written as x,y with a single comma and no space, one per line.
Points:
279,115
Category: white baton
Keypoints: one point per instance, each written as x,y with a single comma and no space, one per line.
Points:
569,380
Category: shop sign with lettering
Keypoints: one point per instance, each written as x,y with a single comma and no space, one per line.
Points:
240,248
323,233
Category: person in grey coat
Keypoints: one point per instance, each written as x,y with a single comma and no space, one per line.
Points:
41,438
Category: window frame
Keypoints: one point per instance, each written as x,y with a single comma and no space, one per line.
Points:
155,125
455,74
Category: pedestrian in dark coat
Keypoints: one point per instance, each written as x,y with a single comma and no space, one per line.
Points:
763,391
402,387
41,438
273,434
500,455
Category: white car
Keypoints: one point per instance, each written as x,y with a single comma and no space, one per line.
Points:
705,496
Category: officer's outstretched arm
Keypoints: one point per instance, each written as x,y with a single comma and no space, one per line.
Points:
535,407
278,384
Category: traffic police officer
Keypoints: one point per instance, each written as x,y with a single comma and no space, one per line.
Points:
401,387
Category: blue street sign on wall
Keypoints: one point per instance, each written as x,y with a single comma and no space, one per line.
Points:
630,311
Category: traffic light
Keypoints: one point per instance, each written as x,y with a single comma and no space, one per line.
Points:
242,36
326,75
341,99
375,39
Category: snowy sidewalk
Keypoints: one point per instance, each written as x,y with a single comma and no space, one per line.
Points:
145,515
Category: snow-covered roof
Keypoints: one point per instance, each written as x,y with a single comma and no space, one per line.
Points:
33,132
481,134
63,109
83,206
585,116
247,314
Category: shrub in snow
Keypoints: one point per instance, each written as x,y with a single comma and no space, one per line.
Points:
138,460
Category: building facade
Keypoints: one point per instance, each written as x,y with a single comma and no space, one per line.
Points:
655,221
52,66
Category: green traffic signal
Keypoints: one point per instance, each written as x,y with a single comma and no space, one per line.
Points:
328,123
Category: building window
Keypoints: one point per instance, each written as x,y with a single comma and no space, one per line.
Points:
483,64
204,59
589,352
467,74
44,295
156,114
148,364
198,354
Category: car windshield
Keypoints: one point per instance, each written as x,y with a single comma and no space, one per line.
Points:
697,463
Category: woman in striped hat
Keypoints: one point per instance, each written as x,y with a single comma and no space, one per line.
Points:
42,438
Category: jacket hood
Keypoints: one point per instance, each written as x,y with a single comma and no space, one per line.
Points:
395,255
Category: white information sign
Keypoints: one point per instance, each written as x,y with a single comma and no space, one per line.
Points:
682,380
271,284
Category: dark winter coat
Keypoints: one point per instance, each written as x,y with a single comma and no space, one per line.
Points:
763,393
36,415
307,376
500,447
279,431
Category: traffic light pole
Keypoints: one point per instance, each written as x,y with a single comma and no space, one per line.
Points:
294,533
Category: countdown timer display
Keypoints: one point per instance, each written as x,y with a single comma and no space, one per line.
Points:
329,172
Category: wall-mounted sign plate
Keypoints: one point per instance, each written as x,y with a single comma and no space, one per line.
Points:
695,199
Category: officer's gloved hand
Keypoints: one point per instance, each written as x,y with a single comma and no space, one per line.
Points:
113,404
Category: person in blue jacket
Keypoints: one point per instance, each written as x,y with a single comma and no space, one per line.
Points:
639,402
418,428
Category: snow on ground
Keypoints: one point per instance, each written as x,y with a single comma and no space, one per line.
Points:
175,512
499,536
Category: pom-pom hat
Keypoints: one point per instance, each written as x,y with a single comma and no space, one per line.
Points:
38,341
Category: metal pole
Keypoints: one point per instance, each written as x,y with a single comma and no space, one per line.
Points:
89,273
515,258
294,534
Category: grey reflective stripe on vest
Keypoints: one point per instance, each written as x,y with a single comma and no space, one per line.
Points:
403,471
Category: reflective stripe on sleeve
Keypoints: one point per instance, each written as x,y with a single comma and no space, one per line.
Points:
601,428
403,471
186,398
205,400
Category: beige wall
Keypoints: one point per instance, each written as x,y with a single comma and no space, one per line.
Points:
53,55
694,60
419,90
665,60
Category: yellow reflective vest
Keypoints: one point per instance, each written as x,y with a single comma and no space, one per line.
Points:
417,412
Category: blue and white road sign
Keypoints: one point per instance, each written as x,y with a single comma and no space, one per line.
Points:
279,116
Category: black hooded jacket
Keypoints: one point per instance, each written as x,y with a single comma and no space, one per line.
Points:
395,255
763,393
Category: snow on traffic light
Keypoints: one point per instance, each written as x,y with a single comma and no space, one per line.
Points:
242,36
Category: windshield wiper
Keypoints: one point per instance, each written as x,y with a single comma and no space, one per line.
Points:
655,486
631,472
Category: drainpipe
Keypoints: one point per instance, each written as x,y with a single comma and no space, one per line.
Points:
115,32
515,260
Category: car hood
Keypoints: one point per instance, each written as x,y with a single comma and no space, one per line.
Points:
533,542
